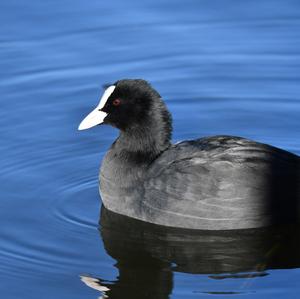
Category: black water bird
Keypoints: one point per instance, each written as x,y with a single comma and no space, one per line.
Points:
211,183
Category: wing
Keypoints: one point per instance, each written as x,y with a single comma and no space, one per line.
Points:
220,182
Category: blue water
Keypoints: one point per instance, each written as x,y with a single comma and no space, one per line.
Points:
227,67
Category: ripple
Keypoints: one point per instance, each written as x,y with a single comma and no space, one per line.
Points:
79,198
223,292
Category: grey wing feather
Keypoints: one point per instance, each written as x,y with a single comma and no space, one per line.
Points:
214,181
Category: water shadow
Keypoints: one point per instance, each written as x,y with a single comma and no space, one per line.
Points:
147,254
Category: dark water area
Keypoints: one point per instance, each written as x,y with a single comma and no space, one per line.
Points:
223,68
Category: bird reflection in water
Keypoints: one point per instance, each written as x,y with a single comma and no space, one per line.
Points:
147,255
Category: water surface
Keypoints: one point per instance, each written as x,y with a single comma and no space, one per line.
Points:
222,69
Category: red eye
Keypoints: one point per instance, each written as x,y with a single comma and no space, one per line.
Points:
116,102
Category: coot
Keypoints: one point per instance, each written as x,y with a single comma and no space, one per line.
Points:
211,183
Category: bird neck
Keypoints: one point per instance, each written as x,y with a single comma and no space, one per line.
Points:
144,142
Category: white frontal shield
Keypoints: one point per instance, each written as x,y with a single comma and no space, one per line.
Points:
97,116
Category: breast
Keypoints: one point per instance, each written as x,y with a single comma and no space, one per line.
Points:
121,185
